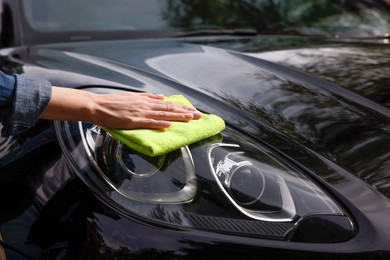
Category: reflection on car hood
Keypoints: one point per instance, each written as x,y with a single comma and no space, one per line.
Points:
347,124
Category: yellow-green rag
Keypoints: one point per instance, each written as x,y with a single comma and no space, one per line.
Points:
155,142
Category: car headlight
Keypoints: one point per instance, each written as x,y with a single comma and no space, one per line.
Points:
227,183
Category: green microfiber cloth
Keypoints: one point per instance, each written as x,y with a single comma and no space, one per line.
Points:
154,142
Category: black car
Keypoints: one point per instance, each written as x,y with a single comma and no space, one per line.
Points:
301,171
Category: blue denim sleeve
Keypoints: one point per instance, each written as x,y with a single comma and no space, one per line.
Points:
7,84
30,97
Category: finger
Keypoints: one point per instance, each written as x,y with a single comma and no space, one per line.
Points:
197,115
171,116
178,107
153,96
143,95
172,107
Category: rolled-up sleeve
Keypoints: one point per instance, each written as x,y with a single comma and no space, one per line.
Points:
30,98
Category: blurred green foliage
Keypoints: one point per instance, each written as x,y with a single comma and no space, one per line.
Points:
362,16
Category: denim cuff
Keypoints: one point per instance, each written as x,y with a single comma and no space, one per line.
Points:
32,96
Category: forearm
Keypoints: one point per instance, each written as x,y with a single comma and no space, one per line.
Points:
69,104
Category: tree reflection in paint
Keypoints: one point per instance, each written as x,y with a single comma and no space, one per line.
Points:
305,16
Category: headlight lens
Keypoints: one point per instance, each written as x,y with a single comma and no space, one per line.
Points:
226,183
139,177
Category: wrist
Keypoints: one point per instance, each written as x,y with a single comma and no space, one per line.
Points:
70,104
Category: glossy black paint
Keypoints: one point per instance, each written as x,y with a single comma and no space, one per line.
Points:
334,126
311,111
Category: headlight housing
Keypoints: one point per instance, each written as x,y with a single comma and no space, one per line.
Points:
227,183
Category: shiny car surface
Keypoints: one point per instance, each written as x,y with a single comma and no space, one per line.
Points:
301,171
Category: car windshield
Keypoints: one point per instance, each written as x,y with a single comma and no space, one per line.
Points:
272,16
95,15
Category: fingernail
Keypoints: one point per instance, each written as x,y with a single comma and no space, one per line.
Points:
165,123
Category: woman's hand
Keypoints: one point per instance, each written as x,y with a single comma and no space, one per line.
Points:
126,110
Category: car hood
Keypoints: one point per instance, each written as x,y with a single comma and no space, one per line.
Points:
327,110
